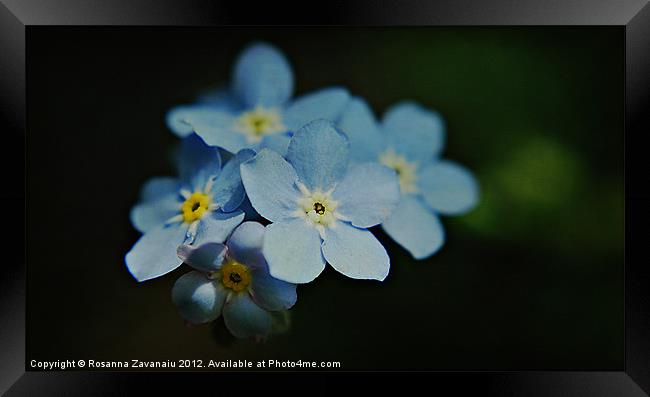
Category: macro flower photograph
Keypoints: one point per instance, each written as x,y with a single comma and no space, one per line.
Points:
408,198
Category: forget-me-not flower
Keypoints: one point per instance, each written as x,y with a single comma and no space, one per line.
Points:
199,206
258,111
320,207
233,280
410,140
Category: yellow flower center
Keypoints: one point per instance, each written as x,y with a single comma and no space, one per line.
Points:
317,207
406,171
195,207
235,276
257,123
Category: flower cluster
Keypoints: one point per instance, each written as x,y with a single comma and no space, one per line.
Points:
318,171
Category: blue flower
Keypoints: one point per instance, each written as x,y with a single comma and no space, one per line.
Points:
320,207
232,279
257,112
410,140
199,206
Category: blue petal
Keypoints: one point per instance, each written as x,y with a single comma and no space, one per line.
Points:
279,143
368,194
292,251
355,252
414,131
327,103
206,257
228,190
270,183
198,299
198,162
262,76
245,244
271,293
154,254
244,318
155,188
448,187
415,227
217,226
150,214
320,154
218,129
179,119
359,124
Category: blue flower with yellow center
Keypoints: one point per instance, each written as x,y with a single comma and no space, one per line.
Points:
201,205
232,280
320,207
410,140
257,111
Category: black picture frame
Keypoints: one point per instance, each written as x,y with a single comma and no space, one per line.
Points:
16,16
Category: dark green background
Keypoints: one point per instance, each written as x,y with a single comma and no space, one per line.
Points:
532,279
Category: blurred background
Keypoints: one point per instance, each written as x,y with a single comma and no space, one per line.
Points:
531,279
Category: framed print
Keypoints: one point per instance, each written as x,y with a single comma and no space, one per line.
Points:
446,193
